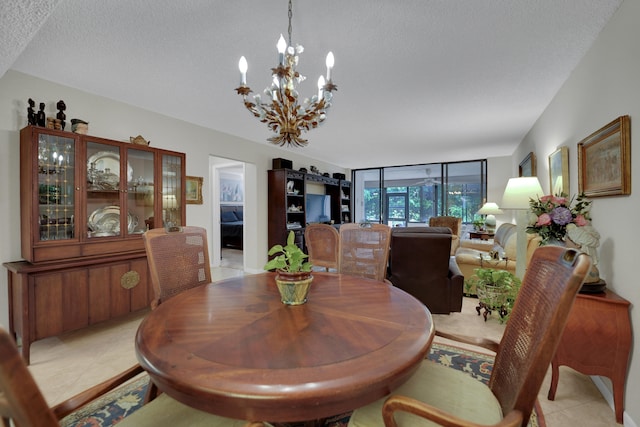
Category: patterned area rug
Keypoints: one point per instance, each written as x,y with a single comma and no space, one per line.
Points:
113,407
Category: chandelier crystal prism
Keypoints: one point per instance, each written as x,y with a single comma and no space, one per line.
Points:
282,112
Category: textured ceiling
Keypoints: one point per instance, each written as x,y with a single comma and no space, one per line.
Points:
418,80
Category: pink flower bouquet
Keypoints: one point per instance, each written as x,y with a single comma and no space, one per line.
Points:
551,214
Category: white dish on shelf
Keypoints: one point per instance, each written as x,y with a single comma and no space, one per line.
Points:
104,160
106,221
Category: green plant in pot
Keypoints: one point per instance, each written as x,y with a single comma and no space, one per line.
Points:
497,290
293,271
478,224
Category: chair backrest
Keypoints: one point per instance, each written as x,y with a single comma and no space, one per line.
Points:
419,263
323,245
20,398
178,260
535,326
364,250
453,222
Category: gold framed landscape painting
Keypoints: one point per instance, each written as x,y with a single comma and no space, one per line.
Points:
604,160
559,171
193,190
527,166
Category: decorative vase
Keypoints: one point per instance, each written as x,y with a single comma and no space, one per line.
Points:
556,242
293,287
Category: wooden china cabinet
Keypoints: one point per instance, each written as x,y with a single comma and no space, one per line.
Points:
85,202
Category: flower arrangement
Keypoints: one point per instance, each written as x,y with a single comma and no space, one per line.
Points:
551,214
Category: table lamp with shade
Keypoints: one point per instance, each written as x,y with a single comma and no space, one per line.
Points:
516,196
490,209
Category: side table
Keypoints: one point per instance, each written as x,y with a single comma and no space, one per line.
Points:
597,341
482,235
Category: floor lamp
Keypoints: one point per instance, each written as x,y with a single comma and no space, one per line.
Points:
516,196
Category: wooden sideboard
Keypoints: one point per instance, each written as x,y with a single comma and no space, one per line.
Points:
48,300
597,341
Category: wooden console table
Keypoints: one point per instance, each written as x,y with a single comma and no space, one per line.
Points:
482,235
597,341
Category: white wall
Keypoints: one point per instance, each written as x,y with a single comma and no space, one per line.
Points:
498,173
605,85
118,121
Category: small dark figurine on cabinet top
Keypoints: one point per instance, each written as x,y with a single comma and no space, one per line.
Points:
31,112
41,118
61,106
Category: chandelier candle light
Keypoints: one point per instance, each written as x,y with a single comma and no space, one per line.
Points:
283,114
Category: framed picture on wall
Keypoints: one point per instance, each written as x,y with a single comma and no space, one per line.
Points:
231,189
528,166
559,171
193,187
604,160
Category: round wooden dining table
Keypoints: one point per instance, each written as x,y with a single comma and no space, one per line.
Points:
233,349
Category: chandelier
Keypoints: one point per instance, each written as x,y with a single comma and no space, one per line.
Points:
282,113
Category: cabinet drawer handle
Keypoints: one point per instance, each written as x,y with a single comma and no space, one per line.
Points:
130,279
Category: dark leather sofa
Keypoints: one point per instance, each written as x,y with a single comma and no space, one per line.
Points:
420,264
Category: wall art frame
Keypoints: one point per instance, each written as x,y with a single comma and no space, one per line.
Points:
193,190
604,160
527,166
559,171
231,189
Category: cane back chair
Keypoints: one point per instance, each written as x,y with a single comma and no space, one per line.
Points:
449,397
323,245
22,403
364,250
178,260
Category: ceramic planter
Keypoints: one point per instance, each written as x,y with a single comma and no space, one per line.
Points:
293,287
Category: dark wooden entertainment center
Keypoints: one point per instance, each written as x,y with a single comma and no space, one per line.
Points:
287,201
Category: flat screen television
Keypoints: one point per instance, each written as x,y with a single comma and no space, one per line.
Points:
318,208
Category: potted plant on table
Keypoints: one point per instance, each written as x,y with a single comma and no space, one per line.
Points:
497,290
478,224
293,271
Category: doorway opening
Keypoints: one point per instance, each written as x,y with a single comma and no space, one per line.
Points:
228,216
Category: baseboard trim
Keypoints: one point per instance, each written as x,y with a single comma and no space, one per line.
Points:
608,396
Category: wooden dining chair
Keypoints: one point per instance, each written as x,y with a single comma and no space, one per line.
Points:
364,250
178,260
452,398
323,245
22,403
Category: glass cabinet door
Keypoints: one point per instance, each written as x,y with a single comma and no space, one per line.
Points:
104,190
56,187
140,192
172,203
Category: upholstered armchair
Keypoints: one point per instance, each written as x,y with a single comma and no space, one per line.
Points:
420,264
454,223
501,254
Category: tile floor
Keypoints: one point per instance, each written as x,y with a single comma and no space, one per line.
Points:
231,258
66,365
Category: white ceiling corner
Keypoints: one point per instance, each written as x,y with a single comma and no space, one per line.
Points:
418,81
